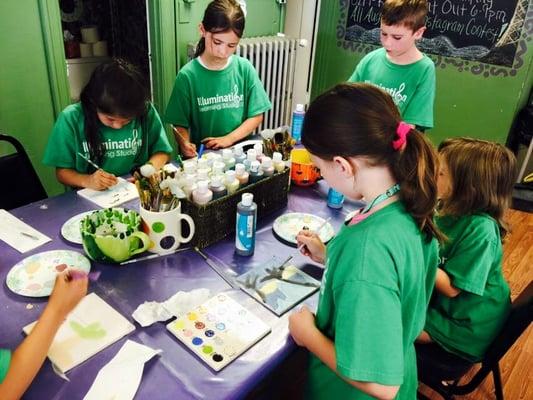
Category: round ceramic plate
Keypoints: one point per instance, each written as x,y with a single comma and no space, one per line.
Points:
35,276
287,226
71,229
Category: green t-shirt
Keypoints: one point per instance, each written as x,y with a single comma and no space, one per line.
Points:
373,299
466,324
411,86
126,148
5,359
214,103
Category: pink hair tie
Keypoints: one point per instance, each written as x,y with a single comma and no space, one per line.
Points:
402,131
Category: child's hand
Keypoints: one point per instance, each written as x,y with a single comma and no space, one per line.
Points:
188,149
302,325
312,246
101,180
217,142
69,289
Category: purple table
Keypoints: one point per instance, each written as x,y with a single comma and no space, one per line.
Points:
177,373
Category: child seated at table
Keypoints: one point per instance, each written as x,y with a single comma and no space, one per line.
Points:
472,299
18,370
380,268
114,126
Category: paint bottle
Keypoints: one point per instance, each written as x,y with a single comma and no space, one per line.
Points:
245,225
251,155
190,185
202,195
189,167
202,174
335,199
267,167
217,187
278,162
241,174
255,172
258,147
218,169
202,163
297,122
228,159
231,181
239,155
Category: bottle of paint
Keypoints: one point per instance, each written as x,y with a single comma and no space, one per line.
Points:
245,226
267,167
189,167
251,155
202,163
228,159
202,195
258,147
231,181
297,122
241,174
202,174
239,155
335,199
190,185
218,169
255,172
278,162
217,187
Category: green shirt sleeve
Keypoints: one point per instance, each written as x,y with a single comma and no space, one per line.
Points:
369,348
178,110
5,360
257,98
157,137
61,150
419,111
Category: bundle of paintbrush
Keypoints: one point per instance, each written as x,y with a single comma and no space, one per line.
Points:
158,190
278,140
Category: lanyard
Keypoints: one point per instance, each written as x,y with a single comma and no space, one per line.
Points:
382,197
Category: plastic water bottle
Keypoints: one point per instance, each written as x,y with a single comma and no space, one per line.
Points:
245,227
297,122
335,199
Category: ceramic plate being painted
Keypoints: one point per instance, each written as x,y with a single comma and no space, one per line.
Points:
71,229
35,276
287,226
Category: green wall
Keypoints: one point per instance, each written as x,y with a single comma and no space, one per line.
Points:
33,73
466,104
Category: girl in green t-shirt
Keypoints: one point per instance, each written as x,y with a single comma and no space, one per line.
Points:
471,301
113,129
217,97
380,267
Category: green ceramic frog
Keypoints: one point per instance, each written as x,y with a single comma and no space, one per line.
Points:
113,235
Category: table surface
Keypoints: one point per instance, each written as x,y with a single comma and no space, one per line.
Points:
177,372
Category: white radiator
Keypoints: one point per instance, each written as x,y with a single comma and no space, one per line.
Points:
274,60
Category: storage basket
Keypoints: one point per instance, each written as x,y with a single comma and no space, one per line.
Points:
216,219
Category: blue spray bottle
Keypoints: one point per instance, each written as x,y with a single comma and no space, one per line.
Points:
297,122
245,228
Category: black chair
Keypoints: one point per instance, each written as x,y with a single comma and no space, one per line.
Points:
441,371
20,182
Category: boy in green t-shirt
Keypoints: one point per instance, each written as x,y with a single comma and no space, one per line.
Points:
471,301
217,98
399,67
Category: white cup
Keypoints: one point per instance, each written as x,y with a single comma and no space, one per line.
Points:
164,229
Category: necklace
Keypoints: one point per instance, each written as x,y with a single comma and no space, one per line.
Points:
382,197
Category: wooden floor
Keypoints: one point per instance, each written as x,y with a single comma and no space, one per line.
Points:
517,365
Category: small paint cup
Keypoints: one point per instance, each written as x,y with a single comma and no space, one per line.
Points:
164,229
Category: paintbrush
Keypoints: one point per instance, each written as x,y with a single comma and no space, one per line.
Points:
89,160
317,231
149,257
215,268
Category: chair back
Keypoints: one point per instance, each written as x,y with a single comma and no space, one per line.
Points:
21,184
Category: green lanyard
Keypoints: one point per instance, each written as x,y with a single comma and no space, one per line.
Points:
382,197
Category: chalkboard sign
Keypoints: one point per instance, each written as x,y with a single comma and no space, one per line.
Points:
483,30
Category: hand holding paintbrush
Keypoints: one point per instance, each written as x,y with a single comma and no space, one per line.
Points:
99,179
310,244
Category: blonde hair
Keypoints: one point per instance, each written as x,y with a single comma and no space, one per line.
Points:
410,13
482,176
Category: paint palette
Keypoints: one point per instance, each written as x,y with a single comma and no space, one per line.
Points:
35,275
71,230
219,330
287,226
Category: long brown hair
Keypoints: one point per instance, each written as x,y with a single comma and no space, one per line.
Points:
482,176
358,119
221,16
410,13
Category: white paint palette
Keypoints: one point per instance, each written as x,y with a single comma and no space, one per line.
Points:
219,330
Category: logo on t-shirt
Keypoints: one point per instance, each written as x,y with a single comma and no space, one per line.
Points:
396,93
119,148
219,102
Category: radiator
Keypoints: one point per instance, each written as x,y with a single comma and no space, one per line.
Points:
274,60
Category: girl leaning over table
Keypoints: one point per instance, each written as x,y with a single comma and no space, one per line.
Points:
114,126
380,268
217,98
